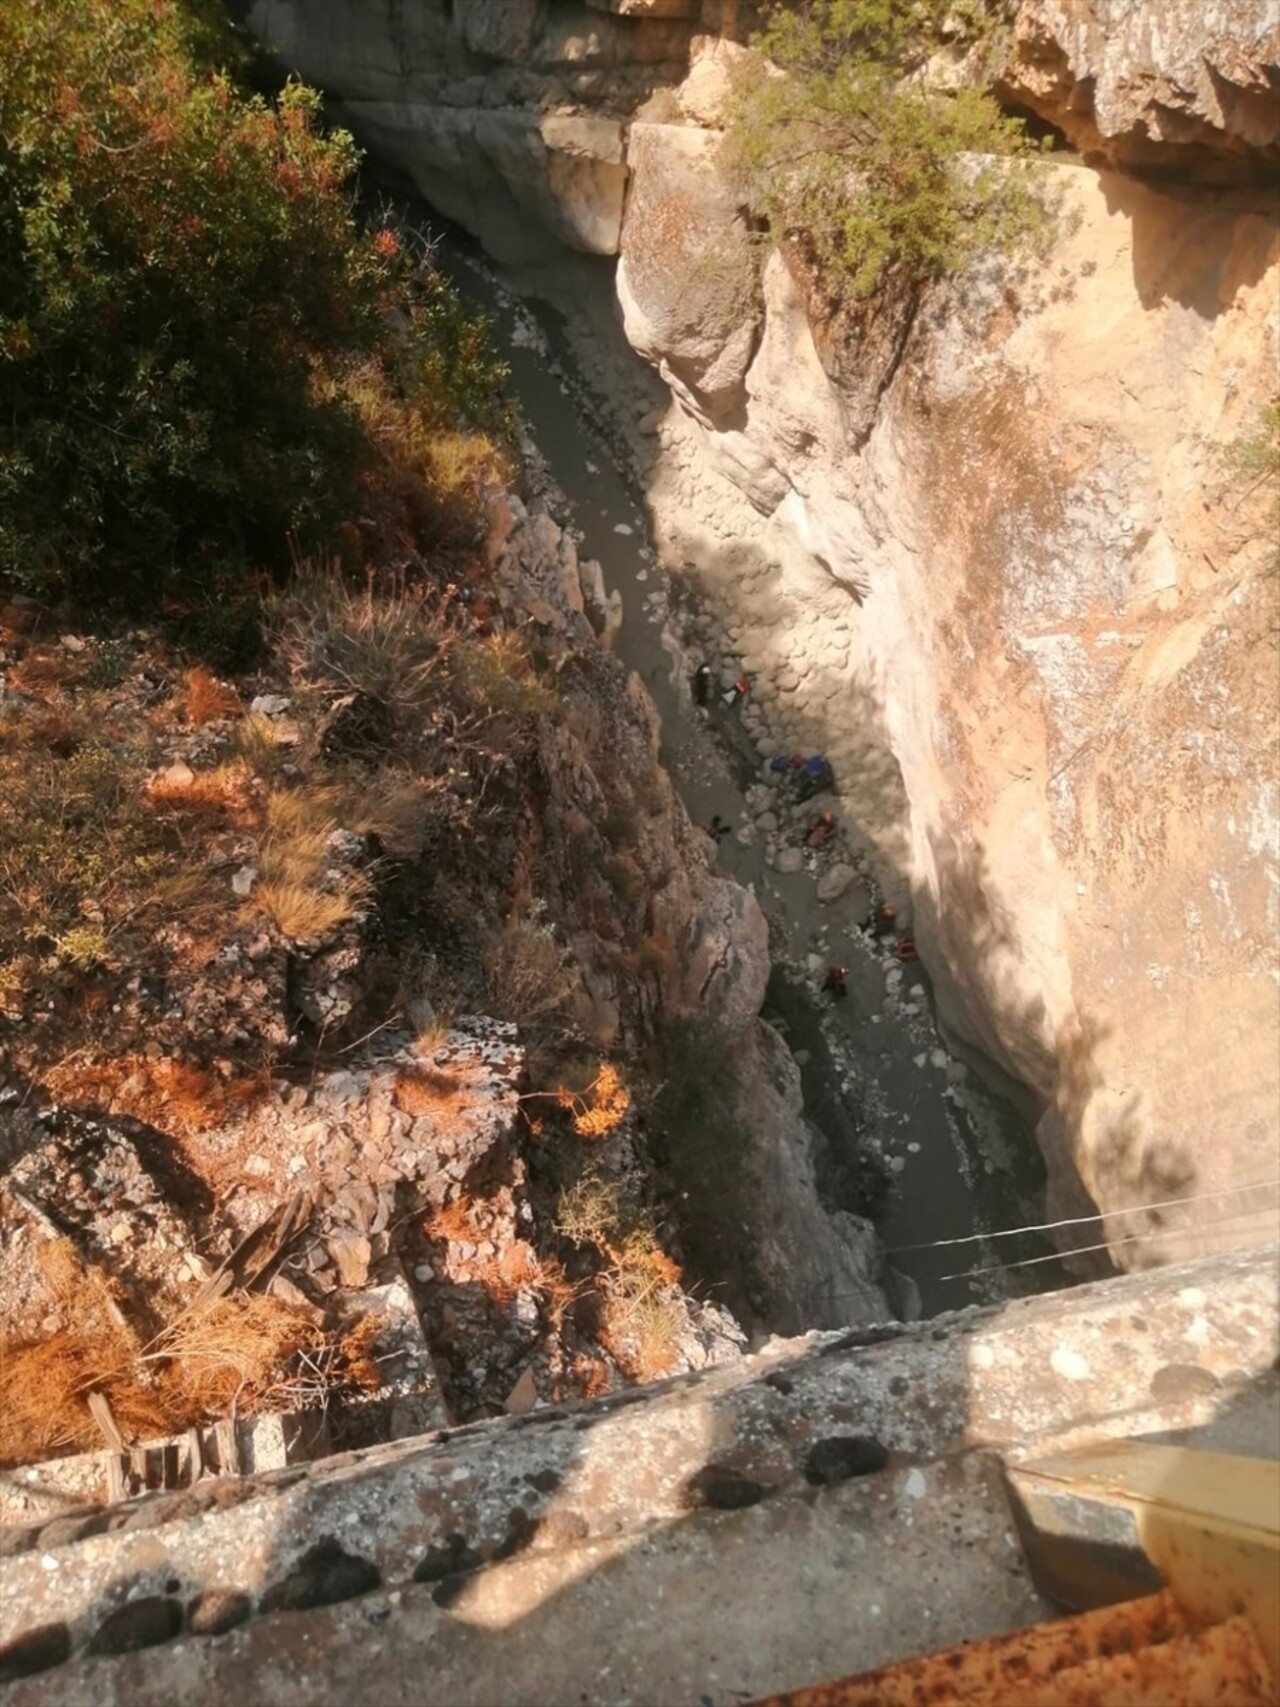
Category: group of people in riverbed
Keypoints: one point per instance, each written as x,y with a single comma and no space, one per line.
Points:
809,776
881,925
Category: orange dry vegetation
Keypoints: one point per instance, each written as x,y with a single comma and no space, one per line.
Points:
205,699
358,1347
591,1376
516,1268
427,1090
453,1223
175,1095
601,1108
235,1349
222,793
42,673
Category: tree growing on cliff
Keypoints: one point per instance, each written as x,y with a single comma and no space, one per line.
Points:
185,298
850,155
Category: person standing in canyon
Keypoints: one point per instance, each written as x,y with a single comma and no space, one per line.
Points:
701,683
881,921
815,777
820,830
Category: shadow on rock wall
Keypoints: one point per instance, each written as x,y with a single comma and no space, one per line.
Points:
1178,239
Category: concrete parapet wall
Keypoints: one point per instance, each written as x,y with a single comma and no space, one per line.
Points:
1171,1349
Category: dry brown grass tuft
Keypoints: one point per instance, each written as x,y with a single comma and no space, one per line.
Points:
175,1095
644,1315
42,674
47,1386
300,893
300,823
358,1349
498,674
427,1090
558,1292
238,1349
300,913
223,793
433,1036
391,644
529,975
207,700
453,1223
643,1332
259,741
591,1376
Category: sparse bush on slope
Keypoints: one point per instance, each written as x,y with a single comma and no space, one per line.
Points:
880,180
1252,461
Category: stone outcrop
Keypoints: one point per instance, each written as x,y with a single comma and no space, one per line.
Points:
660,938
825,1269
687,276
1181,87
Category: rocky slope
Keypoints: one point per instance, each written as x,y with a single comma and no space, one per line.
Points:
271,1091
989,555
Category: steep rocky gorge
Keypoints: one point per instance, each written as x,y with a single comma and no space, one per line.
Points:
365,1146
986,553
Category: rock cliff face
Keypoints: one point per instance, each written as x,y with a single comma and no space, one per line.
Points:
656,937
509,118
992,562
989,555
1179,88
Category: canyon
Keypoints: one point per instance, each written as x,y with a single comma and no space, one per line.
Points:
986,550
541,1203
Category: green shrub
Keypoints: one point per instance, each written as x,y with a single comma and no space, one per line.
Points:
873,175
184,294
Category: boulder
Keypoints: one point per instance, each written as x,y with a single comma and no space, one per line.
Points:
686,274
835,881
705,92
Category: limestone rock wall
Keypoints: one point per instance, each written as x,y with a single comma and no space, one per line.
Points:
508,118
1182,85
1016,594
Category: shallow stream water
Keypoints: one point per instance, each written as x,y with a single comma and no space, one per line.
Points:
905,1127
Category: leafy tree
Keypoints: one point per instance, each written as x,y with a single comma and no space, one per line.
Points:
183,288
849,154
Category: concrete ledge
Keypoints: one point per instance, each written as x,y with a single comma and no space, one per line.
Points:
1169,1350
